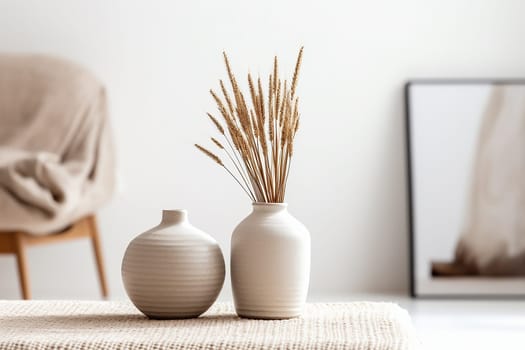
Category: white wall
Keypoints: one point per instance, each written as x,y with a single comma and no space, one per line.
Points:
348,182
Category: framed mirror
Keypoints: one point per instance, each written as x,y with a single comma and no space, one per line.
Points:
466,165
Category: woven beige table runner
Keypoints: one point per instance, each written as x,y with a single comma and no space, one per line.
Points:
118,325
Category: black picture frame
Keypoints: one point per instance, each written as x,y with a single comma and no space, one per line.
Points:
409,182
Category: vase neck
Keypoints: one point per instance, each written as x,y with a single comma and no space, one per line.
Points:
269,207
172,217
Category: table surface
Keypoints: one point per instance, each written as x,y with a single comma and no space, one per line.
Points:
457,324
118,325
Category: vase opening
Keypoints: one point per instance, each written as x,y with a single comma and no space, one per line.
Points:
269,207
174,216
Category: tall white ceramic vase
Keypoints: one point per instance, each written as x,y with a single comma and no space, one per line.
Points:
173,270
270,263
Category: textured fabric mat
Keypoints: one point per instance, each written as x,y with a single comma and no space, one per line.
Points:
118,325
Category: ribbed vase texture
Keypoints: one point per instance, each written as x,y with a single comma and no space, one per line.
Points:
173,270
270,263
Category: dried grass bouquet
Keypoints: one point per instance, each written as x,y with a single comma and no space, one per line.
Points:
258,138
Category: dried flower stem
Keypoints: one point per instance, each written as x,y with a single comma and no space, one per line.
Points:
260,137
219,161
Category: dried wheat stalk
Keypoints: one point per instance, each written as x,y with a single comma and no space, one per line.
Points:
259,137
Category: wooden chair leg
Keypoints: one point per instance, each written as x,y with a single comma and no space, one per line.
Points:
95,241
22,265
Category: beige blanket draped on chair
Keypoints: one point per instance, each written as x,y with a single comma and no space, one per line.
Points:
56,154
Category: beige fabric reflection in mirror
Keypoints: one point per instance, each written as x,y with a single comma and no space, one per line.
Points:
493,239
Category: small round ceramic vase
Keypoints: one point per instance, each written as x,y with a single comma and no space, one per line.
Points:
270,263
173,270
